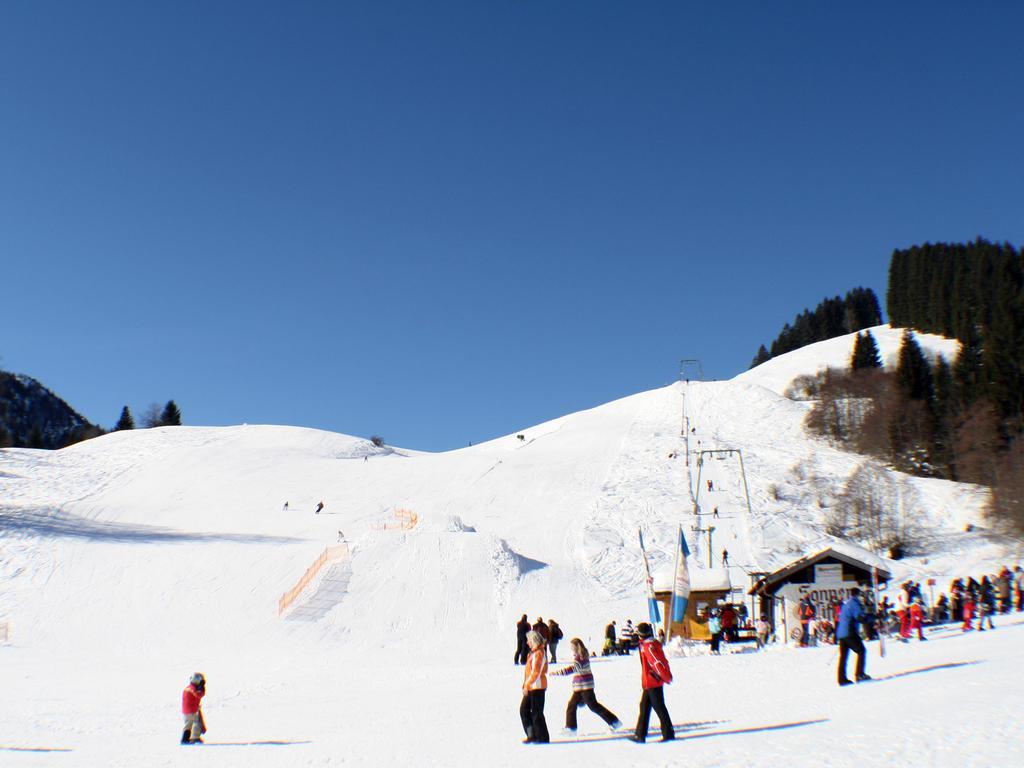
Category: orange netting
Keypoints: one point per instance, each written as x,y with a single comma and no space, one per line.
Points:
405,520
331,553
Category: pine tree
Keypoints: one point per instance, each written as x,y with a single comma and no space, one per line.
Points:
171,417
944,414
865,353
126,421
968,377
762,356
913,374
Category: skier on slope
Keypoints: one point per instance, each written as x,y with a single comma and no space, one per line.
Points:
583,690
654,674
535,683
191,708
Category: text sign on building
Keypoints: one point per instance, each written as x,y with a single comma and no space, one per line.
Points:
828,573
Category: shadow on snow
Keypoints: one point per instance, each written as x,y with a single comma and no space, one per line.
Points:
922,670
252,743
57,523
755,729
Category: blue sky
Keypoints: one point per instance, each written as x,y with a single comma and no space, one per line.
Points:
443,222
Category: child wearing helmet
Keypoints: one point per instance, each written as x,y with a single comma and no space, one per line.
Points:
191,701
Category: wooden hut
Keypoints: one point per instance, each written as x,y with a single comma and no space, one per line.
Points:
708,586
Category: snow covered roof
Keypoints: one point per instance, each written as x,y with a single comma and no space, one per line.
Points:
853,556
701,579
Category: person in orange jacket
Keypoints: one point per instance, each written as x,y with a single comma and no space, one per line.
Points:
191,708
535,683
654,673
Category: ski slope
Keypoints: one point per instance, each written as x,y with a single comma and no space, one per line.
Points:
134,559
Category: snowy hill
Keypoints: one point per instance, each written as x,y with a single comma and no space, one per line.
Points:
132,560
777,374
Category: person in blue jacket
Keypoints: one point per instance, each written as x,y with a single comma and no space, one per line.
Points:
848,634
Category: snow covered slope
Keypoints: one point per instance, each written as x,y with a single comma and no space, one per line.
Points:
777,374
132,560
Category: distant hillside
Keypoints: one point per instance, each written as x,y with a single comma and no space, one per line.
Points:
31,416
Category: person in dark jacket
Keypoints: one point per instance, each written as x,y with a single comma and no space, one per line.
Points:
541,626
654,674
555,633
610,638
522,627
848,634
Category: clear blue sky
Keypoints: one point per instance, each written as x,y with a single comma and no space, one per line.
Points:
443,222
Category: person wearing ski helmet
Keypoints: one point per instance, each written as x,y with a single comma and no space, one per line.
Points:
654,674
191,708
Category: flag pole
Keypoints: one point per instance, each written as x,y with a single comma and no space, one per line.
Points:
672,598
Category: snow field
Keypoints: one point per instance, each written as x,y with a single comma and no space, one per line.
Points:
132,560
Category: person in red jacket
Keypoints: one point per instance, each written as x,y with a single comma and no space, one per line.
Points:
191,701
654,673
968,611
917,619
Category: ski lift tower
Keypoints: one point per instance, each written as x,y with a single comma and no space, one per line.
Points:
687,368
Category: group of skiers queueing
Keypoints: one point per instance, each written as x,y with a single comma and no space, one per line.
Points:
549,630
654,673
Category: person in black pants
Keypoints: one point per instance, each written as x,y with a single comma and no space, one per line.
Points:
848,634
522,627
654,673
535,682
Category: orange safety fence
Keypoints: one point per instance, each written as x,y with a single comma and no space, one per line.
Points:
405,520
329,554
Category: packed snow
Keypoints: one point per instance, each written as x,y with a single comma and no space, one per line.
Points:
133,560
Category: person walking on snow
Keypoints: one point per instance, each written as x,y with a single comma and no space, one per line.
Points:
191,701
583,689
318,508
554,635
725,557
654,674
917,618
535,683
848,634
522,629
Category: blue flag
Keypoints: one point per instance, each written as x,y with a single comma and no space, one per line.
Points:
681,580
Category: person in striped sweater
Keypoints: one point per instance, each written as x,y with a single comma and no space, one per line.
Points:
583,689
535,683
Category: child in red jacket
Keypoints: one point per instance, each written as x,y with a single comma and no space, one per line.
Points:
968,612
654,673
917,619
191,701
